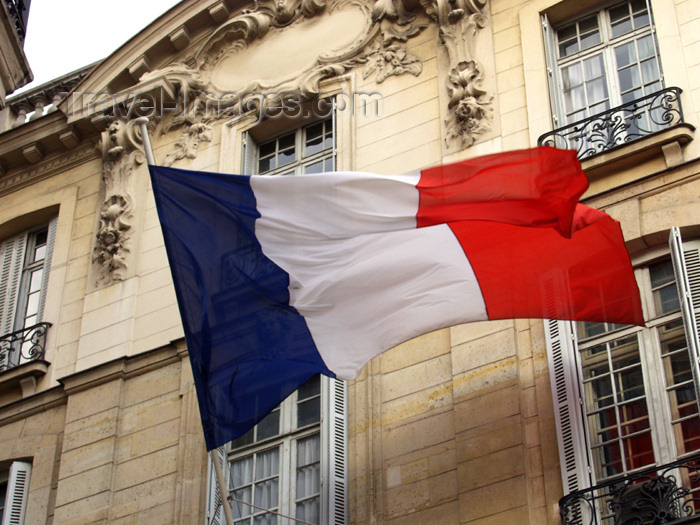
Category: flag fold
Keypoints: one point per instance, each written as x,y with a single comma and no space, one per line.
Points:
280,278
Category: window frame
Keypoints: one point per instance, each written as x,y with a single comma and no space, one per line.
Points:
606,48
574,440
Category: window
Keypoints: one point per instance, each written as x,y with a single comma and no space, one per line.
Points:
25,260
626,397
603,60
14,492
292,464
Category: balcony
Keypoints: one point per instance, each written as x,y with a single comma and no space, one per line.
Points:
19,11
650,115
654,496
22,361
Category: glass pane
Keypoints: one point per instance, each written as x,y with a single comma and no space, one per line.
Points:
245,439
239,507
267,464
40,239
640,13
625,55
309,412
593,67
572,76
645,45
35,280
309,389
650,73
308,467
32,304
265,519
316,167
242,472
629,78
267,493
568,41
309,510
620,20
638,451
266,164
590,39
269,426
664,288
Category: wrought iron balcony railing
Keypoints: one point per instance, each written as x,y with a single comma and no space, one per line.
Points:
655,496
19,11
621,125
23,346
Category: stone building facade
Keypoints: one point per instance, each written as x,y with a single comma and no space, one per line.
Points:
489,423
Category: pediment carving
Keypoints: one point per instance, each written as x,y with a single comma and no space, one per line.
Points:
283,50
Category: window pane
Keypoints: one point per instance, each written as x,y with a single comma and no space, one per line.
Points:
309,412
629,78
308,478
239,507
663,283
646,47
35,281
568,41
650,73
625,54
269,426
309,389
316,167
620,20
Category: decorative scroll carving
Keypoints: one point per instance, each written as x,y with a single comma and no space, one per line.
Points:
188,143
393,60
470,105
120,154
112,236
379,46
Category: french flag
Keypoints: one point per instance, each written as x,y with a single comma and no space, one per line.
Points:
279,278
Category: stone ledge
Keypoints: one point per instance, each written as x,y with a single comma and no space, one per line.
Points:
23,376
662,143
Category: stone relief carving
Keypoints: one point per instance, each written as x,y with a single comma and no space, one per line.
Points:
112,236
379,46
470,106
121,152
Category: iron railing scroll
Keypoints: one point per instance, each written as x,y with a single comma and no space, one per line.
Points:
620,125
656,496
23,346
19,12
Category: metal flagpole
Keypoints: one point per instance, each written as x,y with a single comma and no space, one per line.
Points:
142,122
225,502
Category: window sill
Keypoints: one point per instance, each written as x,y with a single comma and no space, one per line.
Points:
24,377
666,144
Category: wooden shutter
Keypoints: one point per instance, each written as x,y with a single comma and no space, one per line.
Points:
17,493
686,266
215,512
50,242
11,261
248,155
334,454
555,95
568,408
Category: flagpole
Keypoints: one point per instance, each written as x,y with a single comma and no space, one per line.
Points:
225,502
142,122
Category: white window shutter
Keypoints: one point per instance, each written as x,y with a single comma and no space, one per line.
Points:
11,261
686,266
335,455
215,511
50,242
555,95
17,493
248,155
568,413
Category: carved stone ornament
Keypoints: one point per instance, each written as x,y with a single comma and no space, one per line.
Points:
240,70
470,109
121,152
112,236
